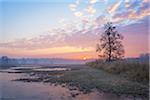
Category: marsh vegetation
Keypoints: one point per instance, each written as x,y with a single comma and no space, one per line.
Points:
86,80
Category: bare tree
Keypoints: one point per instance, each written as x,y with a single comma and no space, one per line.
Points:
110,44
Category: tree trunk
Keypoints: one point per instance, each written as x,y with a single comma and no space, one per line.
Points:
109,41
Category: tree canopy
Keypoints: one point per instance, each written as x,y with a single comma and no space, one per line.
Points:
110,46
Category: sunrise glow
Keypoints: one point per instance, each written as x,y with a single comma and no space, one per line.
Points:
70,28
84,58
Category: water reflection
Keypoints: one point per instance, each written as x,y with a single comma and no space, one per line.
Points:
13,90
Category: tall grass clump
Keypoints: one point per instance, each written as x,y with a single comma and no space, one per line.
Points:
133,70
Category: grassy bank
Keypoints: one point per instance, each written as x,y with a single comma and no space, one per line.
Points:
133,70
86,79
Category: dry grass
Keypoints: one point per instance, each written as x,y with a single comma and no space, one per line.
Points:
86,79
133,70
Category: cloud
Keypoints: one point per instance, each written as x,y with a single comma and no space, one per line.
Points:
78,14
93,1
145,1
127,3
57,37
126,11
143,6
77,39
90,10
83,11
73,7
114,7
132,14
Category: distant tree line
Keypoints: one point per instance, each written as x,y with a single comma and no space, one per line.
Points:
6,62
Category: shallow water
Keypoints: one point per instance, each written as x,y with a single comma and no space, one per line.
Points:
51,69
16,90
34,68
25,67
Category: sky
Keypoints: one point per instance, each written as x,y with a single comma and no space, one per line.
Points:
70,28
